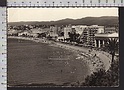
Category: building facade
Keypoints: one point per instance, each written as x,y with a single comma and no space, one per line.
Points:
53,31
67,30
102,39
111,29
88,34
79,28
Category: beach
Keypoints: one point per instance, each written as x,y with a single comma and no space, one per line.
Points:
104,57
74,62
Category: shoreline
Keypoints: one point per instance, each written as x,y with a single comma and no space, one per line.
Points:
94,62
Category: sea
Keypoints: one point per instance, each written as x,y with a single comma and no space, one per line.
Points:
33,63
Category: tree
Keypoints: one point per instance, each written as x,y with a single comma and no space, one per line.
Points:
112,47
73,37
62,33
104,78
96,79
70,36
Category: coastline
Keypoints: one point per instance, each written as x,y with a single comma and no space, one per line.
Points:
94,62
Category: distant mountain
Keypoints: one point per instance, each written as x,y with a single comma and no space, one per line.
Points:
104,20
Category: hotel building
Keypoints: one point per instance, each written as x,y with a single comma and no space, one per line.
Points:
53,31
88,34
67,30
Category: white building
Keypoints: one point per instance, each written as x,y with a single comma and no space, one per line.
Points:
98,29
13,32
101,39
67,30
79,28
111,29
88,34
53,31
24,33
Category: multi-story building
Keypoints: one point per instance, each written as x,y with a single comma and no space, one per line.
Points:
79,28
88,35
13,32
25,33
67,30
111,29
53,31
61,31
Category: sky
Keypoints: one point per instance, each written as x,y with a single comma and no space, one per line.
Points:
54,14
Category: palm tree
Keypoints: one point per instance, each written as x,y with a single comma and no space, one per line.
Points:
112,47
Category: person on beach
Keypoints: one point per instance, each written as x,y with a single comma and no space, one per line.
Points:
95,55
61,71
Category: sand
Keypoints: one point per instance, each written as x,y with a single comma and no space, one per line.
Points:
95,59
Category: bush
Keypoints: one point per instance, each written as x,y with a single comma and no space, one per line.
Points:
103,78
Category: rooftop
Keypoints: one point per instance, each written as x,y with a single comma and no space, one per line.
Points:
106,35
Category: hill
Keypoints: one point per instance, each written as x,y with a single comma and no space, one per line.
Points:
104,20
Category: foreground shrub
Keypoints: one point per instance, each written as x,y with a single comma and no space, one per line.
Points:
104,78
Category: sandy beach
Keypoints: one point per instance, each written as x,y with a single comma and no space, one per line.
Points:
101,60
31,63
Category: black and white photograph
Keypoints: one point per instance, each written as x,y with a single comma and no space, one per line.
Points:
63,47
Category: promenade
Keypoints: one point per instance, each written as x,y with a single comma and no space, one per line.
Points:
103,56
